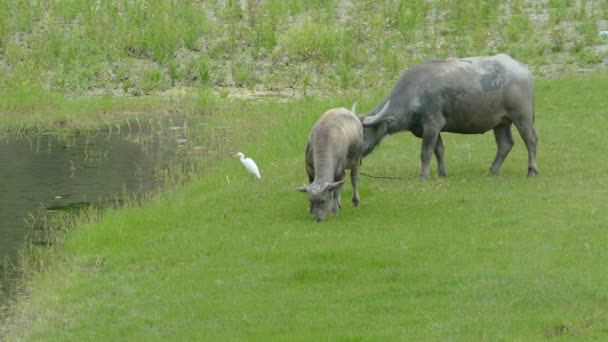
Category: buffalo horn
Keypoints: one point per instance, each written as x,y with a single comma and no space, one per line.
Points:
372,120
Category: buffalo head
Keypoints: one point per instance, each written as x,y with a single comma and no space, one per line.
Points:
322,199
375,127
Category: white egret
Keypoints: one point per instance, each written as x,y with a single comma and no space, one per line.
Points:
250,165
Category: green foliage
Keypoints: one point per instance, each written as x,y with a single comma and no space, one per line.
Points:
242,75
264,18
589,30
313,41
72,41
405,16
204,72
160,27
557,39
75,46
154,80
173,69
588,56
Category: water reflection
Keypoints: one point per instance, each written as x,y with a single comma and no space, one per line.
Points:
66,173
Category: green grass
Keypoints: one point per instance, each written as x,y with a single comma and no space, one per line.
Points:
468,257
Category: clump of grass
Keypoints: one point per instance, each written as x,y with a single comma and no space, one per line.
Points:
589,29
204,72
557,39
313,41
264,19
154,79
242,75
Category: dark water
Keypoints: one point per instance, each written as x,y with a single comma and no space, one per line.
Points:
44,175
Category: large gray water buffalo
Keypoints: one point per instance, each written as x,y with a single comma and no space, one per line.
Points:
469,96
335,144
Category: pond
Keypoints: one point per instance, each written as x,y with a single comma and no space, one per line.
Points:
46,174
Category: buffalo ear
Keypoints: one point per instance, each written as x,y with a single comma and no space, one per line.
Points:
333,186
303,188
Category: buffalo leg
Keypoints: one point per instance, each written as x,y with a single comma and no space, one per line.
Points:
439,151
504,142
335,205
337,200
530,137
337,194
430,135
354,180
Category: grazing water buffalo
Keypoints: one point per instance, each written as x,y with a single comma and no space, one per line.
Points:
335,144
469,96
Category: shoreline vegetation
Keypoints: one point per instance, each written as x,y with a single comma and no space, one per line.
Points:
54,53
220,257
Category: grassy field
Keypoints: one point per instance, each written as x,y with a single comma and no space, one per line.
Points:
468,257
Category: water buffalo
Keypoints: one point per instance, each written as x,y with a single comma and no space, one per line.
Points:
335,144
467,95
